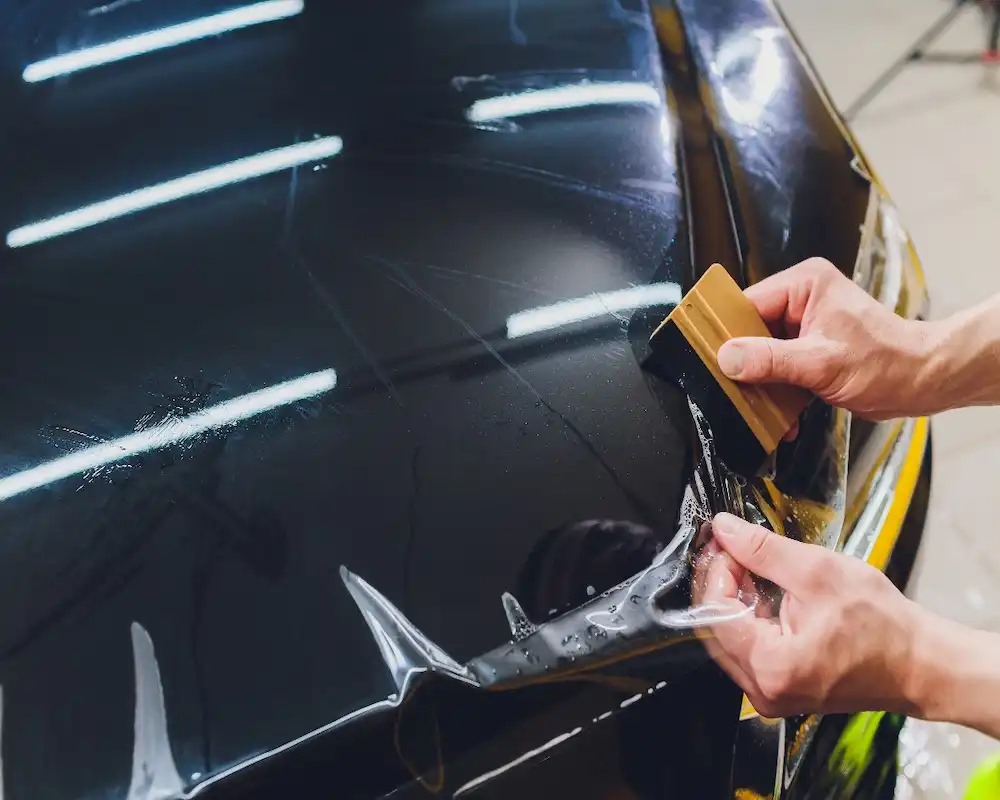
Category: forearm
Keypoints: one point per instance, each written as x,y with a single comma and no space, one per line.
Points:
962,367
955,675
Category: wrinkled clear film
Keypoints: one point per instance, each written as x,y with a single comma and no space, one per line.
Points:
658,623
668,600
662,609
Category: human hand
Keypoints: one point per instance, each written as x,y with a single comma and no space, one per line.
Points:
835,340
842,640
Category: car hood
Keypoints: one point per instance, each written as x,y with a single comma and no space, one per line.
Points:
296,297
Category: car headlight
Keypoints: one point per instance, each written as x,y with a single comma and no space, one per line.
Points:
887,265
884,473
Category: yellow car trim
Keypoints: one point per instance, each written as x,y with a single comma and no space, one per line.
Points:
906,485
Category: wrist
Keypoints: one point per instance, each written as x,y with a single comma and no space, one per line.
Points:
927,672
933,355
954,674
917,672
962,361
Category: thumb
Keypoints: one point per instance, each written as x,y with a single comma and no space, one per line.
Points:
801,362
782,561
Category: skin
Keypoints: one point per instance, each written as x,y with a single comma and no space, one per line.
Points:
844,639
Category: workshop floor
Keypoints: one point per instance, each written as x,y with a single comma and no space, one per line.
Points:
932,137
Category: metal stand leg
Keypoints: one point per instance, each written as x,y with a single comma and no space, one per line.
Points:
994,41
915,53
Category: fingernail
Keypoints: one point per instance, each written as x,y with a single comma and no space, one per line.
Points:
731,359
727,525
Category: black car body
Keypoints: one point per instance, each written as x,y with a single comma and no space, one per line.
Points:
323,419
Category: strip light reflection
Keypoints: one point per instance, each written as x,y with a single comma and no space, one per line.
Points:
577,95
752,70
120,49
181,429
488,776
567,312
196,183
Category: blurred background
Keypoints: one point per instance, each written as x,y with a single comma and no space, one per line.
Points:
933,135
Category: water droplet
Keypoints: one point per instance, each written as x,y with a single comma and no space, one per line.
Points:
591,591
195,776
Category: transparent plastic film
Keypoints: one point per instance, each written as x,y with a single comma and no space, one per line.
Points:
661,606
628,641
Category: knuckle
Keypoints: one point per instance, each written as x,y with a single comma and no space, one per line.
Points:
768,359
827,365
821,267
869,579
760,545
783,363
759,360
775,686
765,707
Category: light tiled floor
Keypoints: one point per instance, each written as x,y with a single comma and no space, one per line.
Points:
933,138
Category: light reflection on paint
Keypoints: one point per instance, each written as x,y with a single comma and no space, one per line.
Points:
161,39
488,776
196,183
177,430
752,69
567,312
559,98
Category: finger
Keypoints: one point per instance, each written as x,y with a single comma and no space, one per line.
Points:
806,362
782,297
793,433
728,664
781,560
771,298
733,640
717,578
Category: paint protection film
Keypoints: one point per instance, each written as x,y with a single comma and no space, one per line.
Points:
662,605
630,640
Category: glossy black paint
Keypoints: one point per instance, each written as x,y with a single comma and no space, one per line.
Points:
443,453
780,137
447,451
